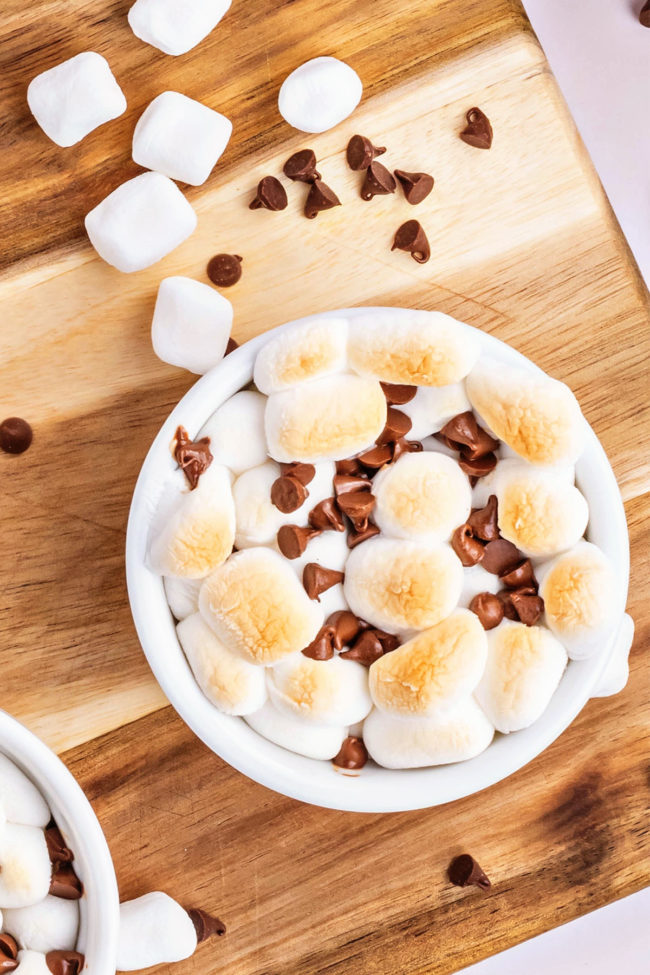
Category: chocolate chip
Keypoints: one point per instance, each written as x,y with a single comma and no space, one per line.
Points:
397,426
65,883
644,15
468,548
397,394
206,925
388,641
350,466
464,870
16,435
358,506
8,953
484,521
500,556
288,494
411,237
345,626
293,540
353,754
305,473
361,152
528,605
379,181
271,195
193,457
316,579
403,446
56,846
320,198
348,483
463,433
321,647
478,131
356,538
302,166
376,457
224,270
478,467
509,611
366,649
231,346
521,575
488,608
416,186
64,962
326,516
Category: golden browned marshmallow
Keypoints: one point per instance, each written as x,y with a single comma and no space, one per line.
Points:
328,692
398,585
301,352
538,417
582,598
258,608
423,349
328,418
539,511
434,670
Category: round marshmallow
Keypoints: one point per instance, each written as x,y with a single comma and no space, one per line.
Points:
524,667
325,419
399,585
424,496
302,737
154,930
258,608
50,925
236,432
20,800
32,963
25,867
432,407
328,692
538,512
455,735
191,324
319,94
182,595
302,352
230,683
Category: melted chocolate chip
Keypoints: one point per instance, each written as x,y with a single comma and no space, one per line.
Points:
356,538
16,435
348,483
361,152
64,882
302,166
411,237
8,953
644,15
293,540
326,516
489,609
316,579
403,446
469,549
377,456
416,186
353,754
379,181
521,575
528,605
224,270
483,521
358,506
366,649
349,466
463,433
478,131
56,846
304,473
464,870
206,925
321,197
397,426
500,556
345,626
321,647
193,457
64,962
271,195
478,467
288,494
397,394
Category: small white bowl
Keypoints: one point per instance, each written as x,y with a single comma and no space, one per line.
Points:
99,905
375,789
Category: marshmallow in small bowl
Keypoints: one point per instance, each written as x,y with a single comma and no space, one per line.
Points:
49,925
26,866
312,740
20,800
236,432
182,595
326,692
433,406
303,352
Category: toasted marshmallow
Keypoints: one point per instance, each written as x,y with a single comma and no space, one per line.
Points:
236,432
581,597
154,930
433,406
302,737
475,581
525,664
258,608
434,670
329,692
538,417
539,512
325,419
399,585
232,684
424,496
427,349
20,800
50,925
455,735
182,596
199,531
302,352
25,868
32,963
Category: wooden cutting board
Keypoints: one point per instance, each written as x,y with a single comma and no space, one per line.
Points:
523,245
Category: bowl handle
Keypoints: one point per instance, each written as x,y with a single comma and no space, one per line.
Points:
617,670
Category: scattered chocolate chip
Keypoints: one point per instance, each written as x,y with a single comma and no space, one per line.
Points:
302,166
232,345
345,626
376,457
206,925
483,521
325,516
349,466
353,754
316,579
397,426
305,473
521,575
293,540
411,237
488,608
468,548
463,433
464,870
356,538
644,15
348,483
500,556
361,152
193,457
224,270
416,186
271,195
16,435
398,395
288,494
528,605
478,131
379,181
65,883
319,198
64,962
366,649
403,446
56,846
358,506
321,647
478,467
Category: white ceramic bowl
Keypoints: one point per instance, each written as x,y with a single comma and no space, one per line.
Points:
376,789
99,906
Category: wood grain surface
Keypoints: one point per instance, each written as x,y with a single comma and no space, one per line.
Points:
523,245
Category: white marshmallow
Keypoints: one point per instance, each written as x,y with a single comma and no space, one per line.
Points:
236,432
182,595
538,511
50,925
477,580
140,222
330,692
423,496
75,97
173,27
233,685
25,867
455,735
432,407
302,737
20,800
191,324
319,94
300,353
32,963
154,930
180,137
525,664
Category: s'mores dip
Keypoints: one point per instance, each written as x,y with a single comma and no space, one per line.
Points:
377,550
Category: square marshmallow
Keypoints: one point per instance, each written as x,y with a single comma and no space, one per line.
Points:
140,222
191,324
180,137
75,97
173,26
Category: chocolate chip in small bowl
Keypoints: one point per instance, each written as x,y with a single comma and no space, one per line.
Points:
644,14
193,457
352,756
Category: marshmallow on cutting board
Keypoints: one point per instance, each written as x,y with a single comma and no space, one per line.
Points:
174,27
154,930
191,324
20,800
50,925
